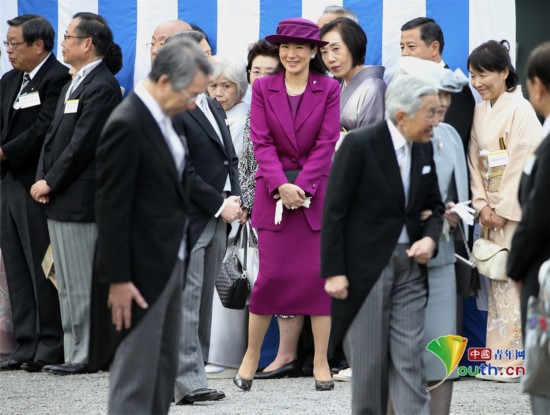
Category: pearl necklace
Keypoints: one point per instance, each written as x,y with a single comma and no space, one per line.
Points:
294,93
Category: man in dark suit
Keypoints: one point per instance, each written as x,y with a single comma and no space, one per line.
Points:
65,179
29,94
531,242
215,203
142,217
423,38
375,246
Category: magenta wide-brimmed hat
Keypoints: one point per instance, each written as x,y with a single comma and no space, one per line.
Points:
296,30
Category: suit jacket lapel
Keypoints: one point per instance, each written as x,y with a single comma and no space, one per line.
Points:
204,123
383,147
98,69
224,129
59,111
156,137
310,100
11,92
281,107
417,164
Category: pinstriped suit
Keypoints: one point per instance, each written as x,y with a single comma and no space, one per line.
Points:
214,162
67,164
382,318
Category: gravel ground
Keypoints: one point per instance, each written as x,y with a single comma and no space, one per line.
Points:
42,393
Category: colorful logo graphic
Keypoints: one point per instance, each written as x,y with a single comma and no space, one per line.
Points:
449,349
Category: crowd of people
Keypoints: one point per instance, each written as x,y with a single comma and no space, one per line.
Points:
351,186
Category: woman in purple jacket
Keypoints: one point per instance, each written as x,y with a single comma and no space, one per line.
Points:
295,122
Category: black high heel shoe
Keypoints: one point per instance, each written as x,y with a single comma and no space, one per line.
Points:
244,384
327,385
291,370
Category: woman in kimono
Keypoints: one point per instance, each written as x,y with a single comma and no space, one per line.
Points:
506,122
362,87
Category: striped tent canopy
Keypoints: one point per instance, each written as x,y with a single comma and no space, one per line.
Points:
232,25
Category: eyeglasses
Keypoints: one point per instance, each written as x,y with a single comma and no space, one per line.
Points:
67,37
12,45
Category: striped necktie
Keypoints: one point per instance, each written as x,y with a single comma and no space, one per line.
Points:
26,80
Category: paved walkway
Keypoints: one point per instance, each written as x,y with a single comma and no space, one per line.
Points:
42,393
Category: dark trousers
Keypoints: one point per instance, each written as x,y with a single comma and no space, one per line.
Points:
34,301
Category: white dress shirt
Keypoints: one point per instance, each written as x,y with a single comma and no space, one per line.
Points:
402,149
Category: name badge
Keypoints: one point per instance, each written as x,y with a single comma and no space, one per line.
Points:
528,167
71,106
498,158
32,99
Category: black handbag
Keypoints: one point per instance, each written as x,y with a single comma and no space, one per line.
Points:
291,175
467,275
232,284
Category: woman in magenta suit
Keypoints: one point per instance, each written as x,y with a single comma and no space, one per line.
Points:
294,126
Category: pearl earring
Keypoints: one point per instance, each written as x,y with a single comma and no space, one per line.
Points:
312,56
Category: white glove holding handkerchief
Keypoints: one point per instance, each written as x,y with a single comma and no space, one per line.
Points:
465,212
279,209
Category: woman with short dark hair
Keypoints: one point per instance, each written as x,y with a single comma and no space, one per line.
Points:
362,86
505,130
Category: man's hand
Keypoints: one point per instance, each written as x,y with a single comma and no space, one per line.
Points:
451,217
422,250
40,191
232,209
120,303
292,196
2,155
425,214
337,287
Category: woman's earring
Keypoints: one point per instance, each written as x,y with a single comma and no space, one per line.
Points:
312,56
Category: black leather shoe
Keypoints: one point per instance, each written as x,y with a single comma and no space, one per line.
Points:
10,364
201,395
244,384
324,385
291,370
34,366
65,369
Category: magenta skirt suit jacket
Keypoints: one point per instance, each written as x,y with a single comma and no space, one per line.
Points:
289,279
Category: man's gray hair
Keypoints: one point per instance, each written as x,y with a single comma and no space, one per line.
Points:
194,35
405,94
179,60
234,71
343,11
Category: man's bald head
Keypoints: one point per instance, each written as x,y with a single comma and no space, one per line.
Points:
165,30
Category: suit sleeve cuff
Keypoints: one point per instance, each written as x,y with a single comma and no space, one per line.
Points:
219,212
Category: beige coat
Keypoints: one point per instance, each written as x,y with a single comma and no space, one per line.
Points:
513,118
